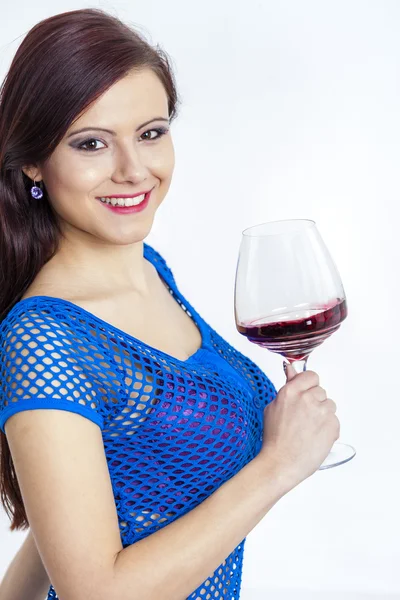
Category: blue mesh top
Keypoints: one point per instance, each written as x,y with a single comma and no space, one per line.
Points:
174,431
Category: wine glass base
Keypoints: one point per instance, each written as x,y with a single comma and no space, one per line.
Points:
340,454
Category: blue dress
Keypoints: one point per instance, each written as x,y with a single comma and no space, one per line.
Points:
174,431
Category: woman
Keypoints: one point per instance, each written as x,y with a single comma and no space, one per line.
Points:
162,448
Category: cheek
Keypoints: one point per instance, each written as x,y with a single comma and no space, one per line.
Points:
87,177
72,173
162,161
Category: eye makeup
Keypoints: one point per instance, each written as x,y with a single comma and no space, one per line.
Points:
79,144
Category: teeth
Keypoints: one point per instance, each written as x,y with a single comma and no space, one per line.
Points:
124,201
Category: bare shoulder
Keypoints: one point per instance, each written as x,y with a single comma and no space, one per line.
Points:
52,281
48,282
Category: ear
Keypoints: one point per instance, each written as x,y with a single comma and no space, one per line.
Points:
33,173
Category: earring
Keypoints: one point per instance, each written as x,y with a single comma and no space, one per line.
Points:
36,191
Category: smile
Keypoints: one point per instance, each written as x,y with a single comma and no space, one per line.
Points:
124,201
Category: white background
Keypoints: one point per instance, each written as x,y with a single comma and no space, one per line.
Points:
290,110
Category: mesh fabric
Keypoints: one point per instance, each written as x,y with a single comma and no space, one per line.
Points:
173,430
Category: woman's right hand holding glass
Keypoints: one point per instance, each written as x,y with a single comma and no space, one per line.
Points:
300,428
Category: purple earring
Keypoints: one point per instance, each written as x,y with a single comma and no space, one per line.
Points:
36,191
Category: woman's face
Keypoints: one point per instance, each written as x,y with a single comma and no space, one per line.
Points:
137,157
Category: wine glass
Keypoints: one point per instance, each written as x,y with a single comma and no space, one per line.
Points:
289,297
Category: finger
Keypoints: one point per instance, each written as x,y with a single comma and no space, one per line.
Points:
330,405
319,394
302,381
289,371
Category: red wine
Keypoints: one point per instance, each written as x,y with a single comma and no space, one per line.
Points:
294,335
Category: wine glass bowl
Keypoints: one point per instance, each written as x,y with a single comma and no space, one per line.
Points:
296,333
289,297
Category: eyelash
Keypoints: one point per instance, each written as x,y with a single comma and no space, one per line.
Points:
160,131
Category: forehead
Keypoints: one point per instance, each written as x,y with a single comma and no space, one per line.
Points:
138,97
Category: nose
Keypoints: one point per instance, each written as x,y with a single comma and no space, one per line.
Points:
129,167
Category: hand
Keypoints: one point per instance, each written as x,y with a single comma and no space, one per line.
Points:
300,427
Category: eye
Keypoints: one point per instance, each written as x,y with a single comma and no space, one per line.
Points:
89,145
89,141
160,131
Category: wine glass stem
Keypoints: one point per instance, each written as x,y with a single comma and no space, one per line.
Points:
300,365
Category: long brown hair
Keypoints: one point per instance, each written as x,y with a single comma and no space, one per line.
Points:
63,64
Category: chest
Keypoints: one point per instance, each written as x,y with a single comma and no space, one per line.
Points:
158,320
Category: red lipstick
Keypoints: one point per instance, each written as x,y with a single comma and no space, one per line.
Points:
126,210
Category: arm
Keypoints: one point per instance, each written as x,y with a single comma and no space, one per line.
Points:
171,563
26,577
76,527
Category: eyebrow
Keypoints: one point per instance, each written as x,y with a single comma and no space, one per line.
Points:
113,132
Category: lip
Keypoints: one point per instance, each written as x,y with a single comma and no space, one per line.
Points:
125,195
126,210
